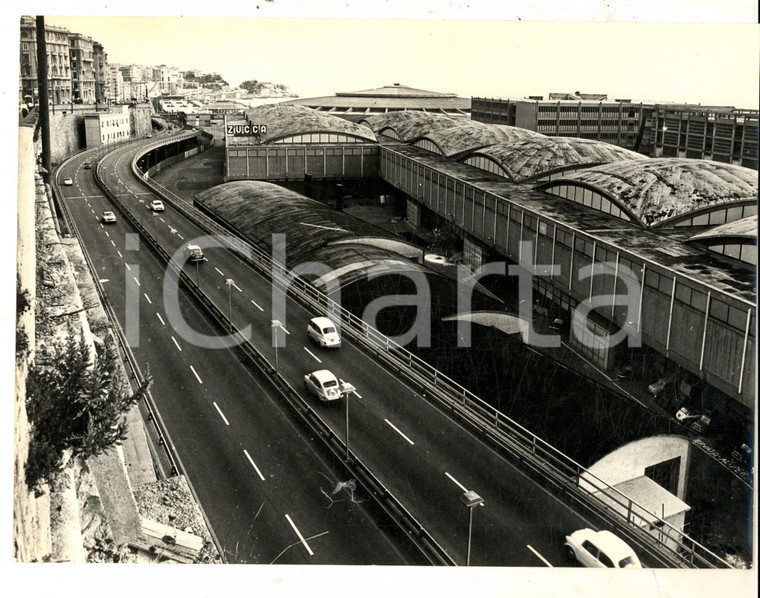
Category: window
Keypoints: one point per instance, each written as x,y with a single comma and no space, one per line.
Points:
592,550
605,560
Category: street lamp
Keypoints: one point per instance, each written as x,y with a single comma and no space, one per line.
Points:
155,225
173,232
142,203
470,499
346,389
276,325
229,282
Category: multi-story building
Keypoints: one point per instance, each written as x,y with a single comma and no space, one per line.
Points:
720,133
82,68
103,128
115,87
58,59
100,63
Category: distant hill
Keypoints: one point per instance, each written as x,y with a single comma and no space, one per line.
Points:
265,89
210,81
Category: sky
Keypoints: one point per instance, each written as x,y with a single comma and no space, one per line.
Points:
459,51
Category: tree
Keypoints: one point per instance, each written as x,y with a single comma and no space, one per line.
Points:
76,404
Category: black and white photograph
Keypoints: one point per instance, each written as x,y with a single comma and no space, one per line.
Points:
364,298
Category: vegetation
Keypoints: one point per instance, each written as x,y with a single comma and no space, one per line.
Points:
74,405
212,81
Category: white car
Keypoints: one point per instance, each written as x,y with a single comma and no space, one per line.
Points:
323,384
157,205
108,217
600,549
68,182
194,253
323,332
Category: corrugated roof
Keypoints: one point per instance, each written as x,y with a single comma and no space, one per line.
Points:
659,189
378,122
745,228
468,136
538,155
286,120
412,129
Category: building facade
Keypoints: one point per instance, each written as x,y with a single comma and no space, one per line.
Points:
103,128
59,66
82,68
100,69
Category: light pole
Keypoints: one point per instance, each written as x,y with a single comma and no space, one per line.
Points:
155,225
276,325
346,389
173,232
470,499
229,282
142,203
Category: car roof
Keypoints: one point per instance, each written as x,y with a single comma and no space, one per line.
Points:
322,321
613,547
324,375
191,246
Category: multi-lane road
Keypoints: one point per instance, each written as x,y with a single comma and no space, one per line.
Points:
269,491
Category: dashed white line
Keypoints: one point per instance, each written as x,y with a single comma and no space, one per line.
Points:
127,265
312,354
107,235
254,465
404,436
162,220
180,236
218,270
176,344
257,305
196,375
283,329
160,318
137,281
148,298
534,551
454,480
237,287
300,537
112,243
220,413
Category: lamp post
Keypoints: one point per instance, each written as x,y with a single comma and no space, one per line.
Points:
229,282
470,499
276,325
155,225
346,389
173,232
142,203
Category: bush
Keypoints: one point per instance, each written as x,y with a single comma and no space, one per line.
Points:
73,404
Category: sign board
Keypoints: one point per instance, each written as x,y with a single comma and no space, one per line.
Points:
245,130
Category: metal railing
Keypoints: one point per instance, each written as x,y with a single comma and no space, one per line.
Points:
670,547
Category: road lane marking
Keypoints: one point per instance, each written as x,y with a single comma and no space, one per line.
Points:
314,356
137,281
107,235
404,436
160,318
112,243
176,344
119,252
220,413
534,551
237,287
162,220
218,270
127,265
180,236
283,329
257,305
148,298
300,537
196,375
454,480
254,465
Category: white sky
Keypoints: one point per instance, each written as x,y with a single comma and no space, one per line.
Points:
482,50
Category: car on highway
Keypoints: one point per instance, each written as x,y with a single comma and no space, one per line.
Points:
157,205
68,182
323,384
87,166
600,549
149,135
323,332
108,217
194,253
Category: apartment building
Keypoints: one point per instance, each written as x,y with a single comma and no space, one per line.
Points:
58,60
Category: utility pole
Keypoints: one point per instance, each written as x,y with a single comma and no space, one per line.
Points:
42,86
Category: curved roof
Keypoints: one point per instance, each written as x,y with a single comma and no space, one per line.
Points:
412,129
258,210
285,120
378,122
397,91
469,136
658,189
746,228
538,155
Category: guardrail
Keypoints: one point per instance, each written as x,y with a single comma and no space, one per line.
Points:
415,532
670,547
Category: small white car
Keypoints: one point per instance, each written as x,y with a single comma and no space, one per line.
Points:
157,205
323,384
323,332
68,182
108,217
194,253
600,549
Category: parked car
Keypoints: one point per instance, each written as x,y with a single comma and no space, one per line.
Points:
157,205
68,182
108,216
323,332
600,549
194,253
323,384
